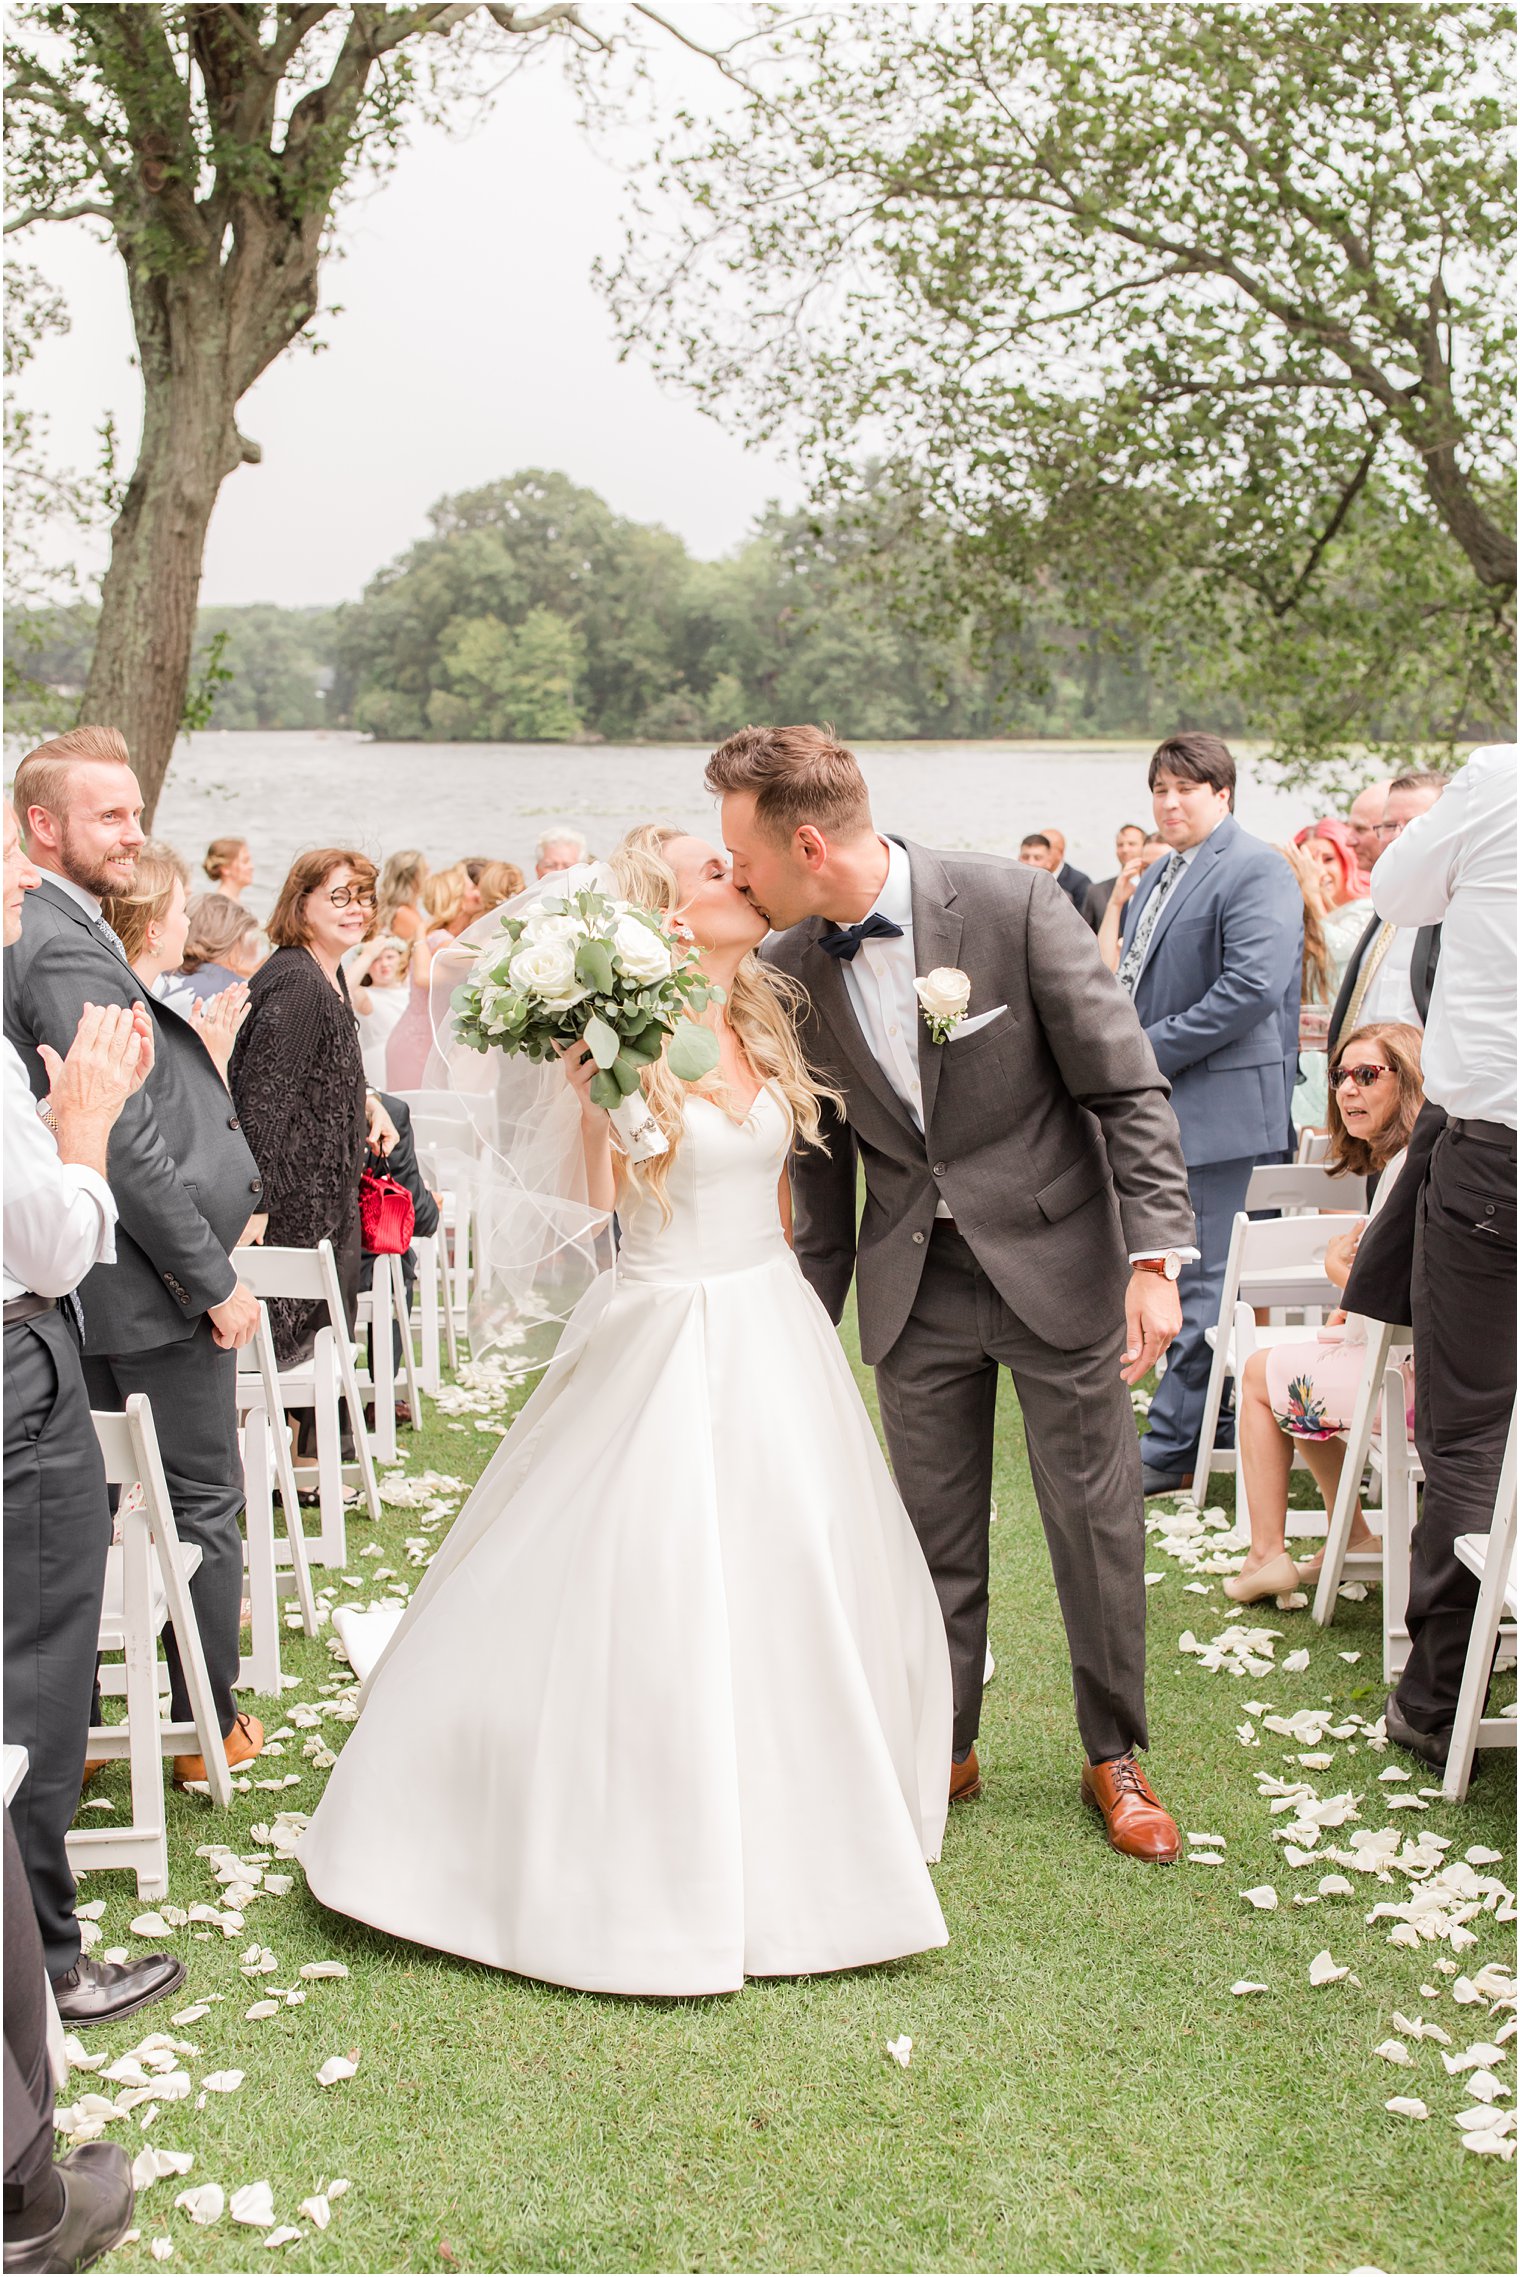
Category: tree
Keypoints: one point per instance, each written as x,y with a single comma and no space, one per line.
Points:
214,142
1201,310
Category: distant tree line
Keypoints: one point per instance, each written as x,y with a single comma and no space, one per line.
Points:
531,612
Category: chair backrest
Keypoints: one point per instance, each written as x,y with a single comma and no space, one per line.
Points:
1313,1146
129,1447
1305,1186
304,1273
444,1119
1275,1245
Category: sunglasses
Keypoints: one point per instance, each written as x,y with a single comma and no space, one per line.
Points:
1363,1077
340,896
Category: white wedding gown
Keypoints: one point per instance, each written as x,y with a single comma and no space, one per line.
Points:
672,1705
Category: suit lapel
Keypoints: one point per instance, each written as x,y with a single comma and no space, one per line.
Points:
823,977
937,926
70,907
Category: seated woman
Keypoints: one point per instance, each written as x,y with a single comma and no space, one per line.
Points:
1306,1391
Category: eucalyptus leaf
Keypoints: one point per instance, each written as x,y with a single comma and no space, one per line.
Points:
693,1052
605,1090
601,1041
593,965
625,1075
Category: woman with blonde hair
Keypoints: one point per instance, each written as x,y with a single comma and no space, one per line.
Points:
671,1707
1304,1392
403,895
229,866
152,923
455,901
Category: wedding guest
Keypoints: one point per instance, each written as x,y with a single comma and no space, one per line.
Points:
1343,910
1121,893
298,1080
1213,953
1128,840
1443,1254
1306,1391
152,925
229,866
496,882
1362,818
560,848
60,1222
59,2213
1037,853
377,982
402,896
168,1317
1314,994
1074,883
456,902
1391,971
221,946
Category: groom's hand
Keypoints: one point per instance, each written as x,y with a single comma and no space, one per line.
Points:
1152,1317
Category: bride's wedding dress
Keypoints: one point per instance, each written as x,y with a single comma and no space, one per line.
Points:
672,1705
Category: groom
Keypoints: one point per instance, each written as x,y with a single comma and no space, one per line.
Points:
1026,1206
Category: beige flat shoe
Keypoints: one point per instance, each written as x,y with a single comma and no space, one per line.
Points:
1274,1579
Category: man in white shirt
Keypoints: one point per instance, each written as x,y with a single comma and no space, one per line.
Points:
59,1222
1456,867
1390,972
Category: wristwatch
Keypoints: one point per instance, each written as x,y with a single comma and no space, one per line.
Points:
1169,1265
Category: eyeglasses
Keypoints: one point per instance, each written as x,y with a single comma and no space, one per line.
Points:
1363,1077
1388,829
341,895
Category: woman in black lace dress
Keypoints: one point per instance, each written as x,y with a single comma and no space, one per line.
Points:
298,1081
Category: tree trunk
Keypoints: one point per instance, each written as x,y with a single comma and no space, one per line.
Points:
190,444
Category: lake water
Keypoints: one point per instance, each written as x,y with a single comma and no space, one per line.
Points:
283,792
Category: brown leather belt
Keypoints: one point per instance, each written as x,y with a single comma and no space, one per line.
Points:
18,1309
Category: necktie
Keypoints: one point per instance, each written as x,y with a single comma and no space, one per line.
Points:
103,932
1134,957
845,940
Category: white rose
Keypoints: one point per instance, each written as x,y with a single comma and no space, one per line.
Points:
546,970
645,955
554,925
944,993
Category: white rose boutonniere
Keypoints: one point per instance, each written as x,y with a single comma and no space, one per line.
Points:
944,995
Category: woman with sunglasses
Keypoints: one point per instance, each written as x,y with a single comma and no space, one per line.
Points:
298,1080
1306,1391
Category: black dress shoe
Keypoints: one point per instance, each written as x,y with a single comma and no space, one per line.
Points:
1162,1482
98,2199
98,1992
1431,1747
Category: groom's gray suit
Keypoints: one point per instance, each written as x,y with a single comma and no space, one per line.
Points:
1048,1134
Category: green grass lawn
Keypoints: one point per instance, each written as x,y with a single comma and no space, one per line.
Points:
1084,2092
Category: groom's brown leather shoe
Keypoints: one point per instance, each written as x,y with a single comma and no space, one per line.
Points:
1136,1823
965,1779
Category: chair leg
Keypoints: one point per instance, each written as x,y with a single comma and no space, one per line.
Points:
259,1669
428,1276
349,1382
192,1660
144,1754
1487,1616
1358,1439
404,1323
1208,1429
446,1281
1398,1525
332,1540
382,1363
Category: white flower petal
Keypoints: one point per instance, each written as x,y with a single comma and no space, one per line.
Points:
1393,2052
317,2209
283,2236
223,2082
1264,1898
205,2204
337,2068
1294,1663
1244,1985
254,2205
900,2050
1322,1970
1406,2107
323,1969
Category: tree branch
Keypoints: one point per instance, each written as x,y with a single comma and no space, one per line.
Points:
87,210
1336,523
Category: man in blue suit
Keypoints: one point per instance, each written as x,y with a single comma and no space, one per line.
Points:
1213,957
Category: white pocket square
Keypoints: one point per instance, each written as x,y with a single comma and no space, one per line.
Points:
982,1020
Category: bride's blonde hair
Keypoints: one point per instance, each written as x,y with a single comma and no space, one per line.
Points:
761,1008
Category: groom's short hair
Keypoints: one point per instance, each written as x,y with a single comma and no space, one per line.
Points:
797,775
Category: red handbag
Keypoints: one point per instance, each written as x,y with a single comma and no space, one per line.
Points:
387,1215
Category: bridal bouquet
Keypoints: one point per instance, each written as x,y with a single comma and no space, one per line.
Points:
583,967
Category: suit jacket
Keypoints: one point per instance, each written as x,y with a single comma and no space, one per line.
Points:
1220,991
184,1180
1095,902
1047,1132
1074,883
1422,974
1379,1287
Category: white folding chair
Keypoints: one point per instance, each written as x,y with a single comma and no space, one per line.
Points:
1492,1557
311,1275
1313,1146
1276,1263
450,1135
435,1308
1294,1187
267,1464
148,1576
1377,1431
383,1311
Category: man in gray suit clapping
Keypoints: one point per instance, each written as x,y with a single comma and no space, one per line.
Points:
167,1318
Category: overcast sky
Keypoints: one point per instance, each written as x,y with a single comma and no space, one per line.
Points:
471,343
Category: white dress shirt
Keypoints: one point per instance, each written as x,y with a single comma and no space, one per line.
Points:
1390,992
1455,867
59,1217
87,901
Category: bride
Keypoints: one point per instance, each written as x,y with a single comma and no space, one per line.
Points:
672,1705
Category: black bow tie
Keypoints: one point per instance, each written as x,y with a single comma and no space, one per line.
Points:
846,939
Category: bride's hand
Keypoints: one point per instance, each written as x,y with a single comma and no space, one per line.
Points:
579,1067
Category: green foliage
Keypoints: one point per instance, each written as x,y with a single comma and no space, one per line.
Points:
1199,315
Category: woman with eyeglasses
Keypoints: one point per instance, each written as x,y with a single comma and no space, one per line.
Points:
298,1080
1306,1391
